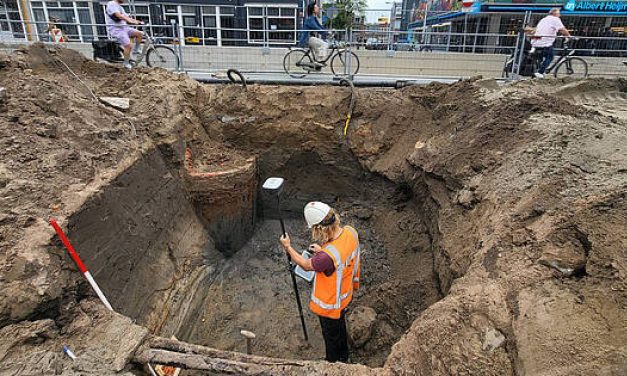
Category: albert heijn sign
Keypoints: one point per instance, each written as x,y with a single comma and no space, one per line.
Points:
595,7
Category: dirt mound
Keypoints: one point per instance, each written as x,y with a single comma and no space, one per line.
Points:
496,217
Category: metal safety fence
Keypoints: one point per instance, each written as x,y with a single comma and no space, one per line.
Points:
383,51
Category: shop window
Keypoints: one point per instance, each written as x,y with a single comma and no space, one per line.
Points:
16,24
210,33
227,11
230,37
42,23
190,21
84,16
66,16
255,11
188,9
256,29
280,23
4,24
288,12
210,21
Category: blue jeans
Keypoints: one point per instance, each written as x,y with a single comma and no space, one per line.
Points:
546,54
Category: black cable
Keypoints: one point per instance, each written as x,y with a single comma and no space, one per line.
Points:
231,72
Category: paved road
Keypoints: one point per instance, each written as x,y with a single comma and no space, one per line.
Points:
323,79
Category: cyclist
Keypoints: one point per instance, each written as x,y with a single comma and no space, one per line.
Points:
311,30
546,31
118,29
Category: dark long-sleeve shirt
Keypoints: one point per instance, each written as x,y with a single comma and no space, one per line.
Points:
311,25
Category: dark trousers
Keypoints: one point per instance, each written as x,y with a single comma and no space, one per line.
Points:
335,338
546,54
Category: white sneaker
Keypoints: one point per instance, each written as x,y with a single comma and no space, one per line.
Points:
538,75
128,66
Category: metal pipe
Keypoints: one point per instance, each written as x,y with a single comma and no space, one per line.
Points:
291,269
372,83
249,338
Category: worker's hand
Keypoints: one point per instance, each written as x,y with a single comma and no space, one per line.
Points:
285,241
315,248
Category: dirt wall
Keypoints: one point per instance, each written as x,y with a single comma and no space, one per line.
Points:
525,184
147,248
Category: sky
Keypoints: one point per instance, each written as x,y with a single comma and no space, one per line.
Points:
378,8
382,9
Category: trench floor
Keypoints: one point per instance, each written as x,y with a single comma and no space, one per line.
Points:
253,291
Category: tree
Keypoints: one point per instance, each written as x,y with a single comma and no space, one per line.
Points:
346,10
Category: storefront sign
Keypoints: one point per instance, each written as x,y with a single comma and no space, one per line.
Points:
596,6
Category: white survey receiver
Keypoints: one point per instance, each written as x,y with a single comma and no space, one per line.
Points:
302,273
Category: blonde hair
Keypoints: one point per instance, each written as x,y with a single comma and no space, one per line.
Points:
325,234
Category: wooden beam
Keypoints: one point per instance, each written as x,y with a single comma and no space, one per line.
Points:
158,350
187,348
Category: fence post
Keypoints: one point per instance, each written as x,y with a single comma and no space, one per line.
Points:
521,49
521,52
424,23
347,65
177,32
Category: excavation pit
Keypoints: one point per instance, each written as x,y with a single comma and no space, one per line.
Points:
492,220
237,278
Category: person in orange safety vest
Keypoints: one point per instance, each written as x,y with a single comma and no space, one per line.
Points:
337,269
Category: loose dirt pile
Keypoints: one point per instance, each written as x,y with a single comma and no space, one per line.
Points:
494,219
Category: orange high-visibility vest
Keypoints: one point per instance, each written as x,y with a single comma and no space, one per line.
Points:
330,295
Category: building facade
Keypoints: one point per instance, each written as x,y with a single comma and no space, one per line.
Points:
202,22
502,21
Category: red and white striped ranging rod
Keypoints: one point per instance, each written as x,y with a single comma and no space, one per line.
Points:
80,264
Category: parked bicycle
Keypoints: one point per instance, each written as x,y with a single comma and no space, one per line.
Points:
156,54
299,62
566,65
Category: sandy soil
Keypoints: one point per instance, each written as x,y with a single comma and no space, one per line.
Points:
508,203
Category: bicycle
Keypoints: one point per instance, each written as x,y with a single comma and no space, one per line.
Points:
566,65
156,55
299,62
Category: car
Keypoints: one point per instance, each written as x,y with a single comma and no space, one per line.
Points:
404,47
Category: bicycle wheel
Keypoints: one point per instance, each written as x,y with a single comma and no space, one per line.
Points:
162,57
297,63
345,63
575,67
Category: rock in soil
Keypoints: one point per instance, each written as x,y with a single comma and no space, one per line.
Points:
361,322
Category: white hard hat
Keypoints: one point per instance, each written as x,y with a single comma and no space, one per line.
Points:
315,212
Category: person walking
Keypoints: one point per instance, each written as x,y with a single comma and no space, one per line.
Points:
546,31
336,263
